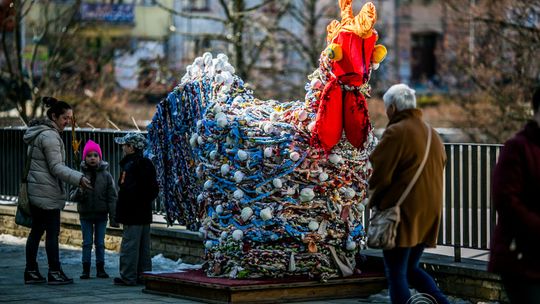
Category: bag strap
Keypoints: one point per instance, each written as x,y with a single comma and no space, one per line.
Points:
29,160
420,168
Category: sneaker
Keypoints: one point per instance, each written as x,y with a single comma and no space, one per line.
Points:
58,277
121,282
33,277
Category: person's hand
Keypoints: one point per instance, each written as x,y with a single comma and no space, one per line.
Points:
85,183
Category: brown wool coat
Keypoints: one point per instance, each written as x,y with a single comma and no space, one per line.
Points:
395,161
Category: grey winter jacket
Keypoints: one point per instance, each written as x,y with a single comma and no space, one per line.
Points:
48,170
100,201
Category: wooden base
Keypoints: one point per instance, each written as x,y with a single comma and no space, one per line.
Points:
194,285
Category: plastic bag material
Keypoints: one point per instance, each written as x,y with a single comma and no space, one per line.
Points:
356,119
329,122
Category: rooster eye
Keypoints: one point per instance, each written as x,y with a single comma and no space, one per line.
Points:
333,51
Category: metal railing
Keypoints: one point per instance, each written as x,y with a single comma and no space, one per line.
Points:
468,218
13,153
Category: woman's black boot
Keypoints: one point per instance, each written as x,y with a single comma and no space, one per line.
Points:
100,268
85,271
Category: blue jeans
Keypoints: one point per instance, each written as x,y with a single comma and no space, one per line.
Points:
401,268
93,231
43,221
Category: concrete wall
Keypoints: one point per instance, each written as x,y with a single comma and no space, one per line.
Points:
152,22
173,243
467,283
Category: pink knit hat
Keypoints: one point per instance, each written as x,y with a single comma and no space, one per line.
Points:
91,146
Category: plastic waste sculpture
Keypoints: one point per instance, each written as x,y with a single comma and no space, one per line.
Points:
271,185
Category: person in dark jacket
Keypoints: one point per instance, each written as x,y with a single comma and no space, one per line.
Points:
138,188
46,191
515,246
94,206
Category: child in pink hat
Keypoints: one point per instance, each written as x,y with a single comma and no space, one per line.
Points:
91,146
95,206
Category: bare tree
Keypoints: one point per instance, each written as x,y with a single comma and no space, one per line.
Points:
301,37
22,88
248,30
81,73
312,16
492,62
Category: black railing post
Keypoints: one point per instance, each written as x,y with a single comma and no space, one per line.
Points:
457,253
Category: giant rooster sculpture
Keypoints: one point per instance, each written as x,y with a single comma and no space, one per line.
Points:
274,187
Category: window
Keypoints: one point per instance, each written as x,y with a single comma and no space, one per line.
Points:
196,5
424,62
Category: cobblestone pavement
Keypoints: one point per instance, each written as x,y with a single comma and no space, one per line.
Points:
13,290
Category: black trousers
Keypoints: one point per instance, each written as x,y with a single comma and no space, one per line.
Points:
43,221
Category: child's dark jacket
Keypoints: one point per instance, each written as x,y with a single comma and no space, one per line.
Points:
138,188
97,203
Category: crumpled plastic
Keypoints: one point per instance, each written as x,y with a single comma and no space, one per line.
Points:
243,172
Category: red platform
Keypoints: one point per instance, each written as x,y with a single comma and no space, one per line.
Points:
195,285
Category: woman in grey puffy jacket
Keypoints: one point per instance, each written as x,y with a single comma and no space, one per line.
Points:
46,191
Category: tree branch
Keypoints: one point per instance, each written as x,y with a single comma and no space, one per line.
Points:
323,12
296,13
225,9
210,36
255,57
28,9
506,24
303,49
257,6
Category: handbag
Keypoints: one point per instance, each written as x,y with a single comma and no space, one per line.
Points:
23,202
23,216
382,227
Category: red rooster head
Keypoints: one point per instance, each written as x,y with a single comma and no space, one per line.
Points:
351,44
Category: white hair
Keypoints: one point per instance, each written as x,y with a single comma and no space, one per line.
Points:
401,96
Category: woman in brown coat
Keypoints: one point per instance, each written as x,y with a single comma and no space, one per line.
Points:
395,162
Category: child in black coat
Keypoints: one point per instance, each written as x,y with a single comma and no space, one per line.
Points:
138,188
